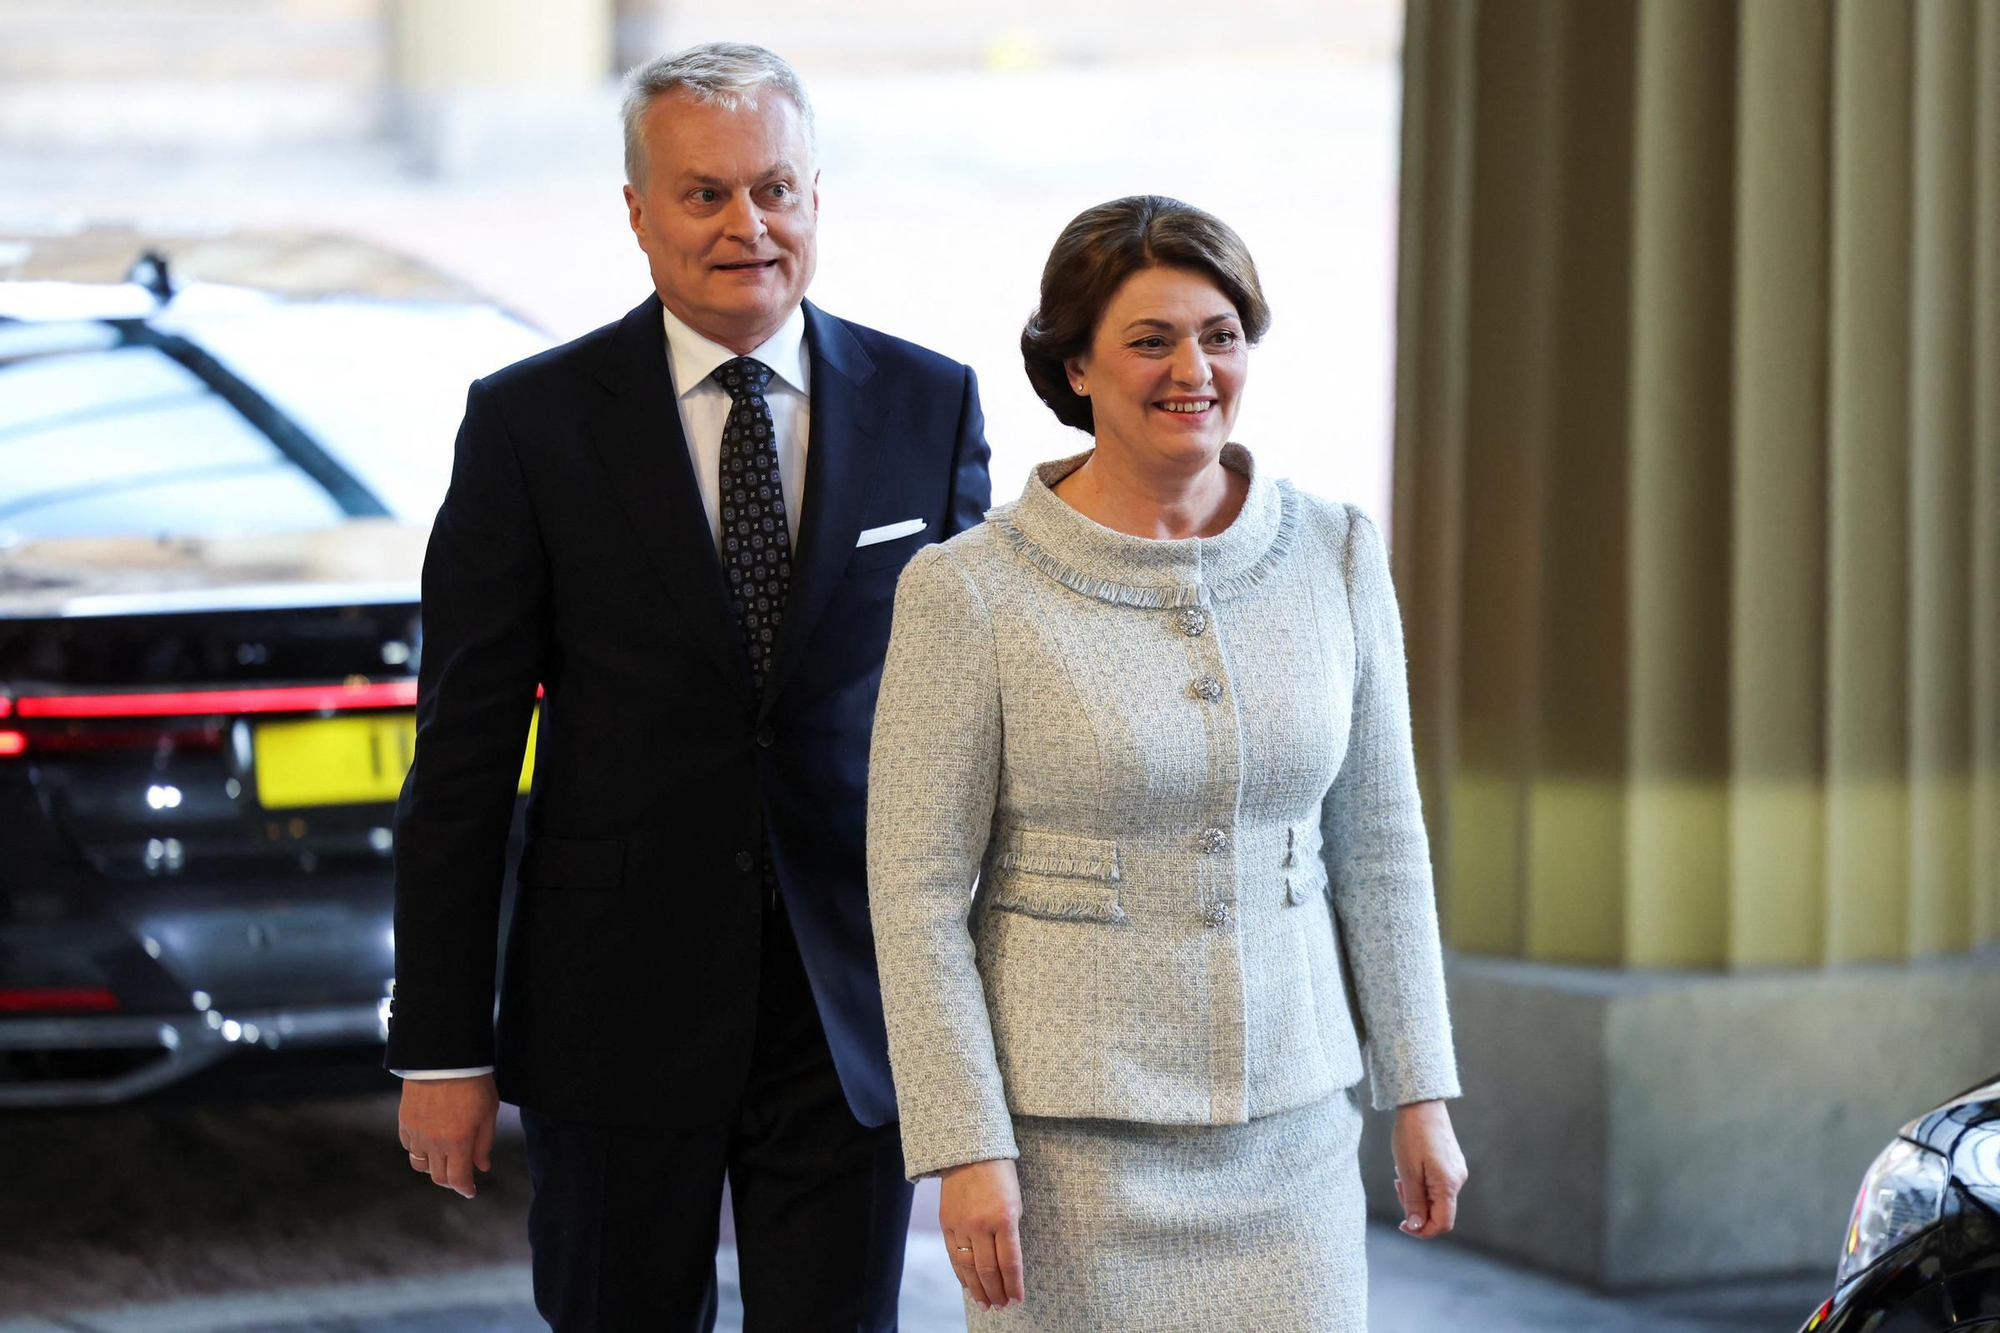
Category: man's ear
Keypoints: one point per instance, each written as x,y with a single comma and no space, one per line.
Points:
635,211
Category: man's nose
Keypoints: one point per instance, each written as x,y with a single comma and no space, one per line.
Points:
743,220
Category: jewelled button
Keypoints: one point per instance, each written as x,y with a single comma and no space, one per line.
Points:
1206,688
1215,915
1213,840
1193,621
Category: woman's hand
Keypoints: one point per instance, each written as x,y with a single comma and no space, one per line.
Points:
980,1208
1430,1170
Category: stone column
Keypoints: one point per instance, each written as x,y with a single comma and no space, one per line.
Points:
1698,488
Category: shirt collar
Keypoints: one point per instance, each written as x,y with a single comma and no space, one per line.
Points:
694,358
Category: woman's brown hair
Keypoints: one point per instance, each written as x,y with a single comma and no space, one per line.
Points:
1096,253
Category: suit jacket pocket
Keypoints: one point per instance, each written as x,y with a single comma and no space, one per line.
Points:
1054,876
892,554
1305,871
573,863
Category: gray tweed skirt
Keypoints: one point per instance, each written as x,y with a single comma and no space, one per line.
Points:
1195,1228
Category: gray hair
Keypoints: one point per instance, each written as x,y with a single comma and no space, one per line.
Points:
724,74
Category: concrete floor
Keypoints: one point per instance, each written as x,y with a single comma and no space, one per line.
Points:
1431,1290
302,1217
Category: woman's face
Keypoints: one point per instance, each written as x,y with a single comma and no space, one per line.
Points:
1165,368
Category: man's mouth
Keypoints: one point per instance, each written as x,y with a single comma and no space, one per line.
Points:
746,265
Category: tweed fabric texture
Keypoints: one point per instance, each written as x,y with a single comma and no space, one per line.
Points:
1172,820
1130,1228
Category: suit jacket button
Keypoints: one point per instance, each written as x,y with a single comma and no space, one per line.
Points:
1215,914
1206,688
766,737
745,861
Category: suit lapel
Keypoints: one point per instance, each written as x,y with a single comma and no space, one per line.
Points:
841,456
637,434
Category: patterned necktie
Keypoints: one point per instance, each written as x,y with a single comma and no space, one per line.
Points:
756,545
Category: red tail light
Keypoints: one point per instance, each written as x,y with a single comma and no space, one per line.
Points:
57,999
12,743
191,703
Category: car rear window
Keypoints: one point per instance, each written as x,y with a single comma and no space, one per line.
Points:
101,438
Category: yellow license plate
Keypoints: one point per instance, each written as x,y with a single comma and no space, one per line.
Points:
344,760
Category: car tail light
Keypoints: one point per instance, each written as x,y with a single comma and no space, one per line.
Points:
12,743
194,703
96,740
57,1000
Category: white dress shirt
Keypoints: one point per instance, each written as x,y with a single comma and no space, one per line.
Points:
704,406
704,409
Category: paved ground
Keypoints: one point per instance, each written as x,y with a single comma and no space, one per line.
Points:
1437,1289
300,1217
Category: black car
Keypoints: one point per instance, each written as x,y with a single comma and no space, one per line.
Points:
213,504
1922,1253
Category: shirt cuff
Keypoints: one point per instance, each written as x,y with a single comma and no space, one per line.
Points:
420,1074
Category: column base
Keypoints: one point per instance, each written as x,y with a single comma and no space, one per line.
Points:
1635,1129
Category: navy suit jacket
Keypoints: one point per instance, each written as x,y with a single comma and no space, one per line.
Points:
572,552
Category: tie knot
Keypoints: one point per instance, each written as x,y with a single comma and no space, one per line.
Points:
744,377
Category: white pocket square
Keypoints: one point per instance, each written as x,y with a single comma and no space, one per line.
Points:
888,532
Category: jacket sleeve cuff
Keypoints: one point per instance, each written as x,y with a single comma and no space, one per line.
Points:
1431,1076
922,1159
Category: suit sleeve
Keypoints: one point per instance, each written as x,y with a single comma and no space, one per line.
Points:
934,771
486,629
1377,857
971,488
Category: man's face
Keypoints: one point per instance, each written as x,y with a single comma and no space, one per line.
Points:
728,215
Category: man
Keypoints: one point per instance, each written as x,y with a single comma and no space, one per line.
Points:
686,529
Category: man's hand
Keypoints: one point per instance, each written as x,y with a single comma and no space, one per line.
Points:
1430,1170
447,1128
980,1209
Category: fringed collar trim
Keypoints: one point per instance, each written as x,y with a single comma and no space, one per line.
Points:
1089,558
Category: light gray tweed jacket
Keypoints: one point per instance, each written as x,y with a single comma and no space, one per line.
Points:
1161,760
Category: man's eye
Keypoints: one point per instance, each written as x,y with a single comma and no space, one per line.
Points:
780,190
706,196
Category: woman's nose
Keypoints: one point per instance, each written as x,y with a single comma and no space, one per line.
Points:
1190,365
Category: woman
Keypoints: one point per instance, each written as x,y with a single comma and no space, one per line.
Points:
1157,709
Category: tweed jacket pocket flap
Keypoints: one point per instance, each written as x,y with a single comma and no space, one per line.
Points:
1057,876
1305,873
573,863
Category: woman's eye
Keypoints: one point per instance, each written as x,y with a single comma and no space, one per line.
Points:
1224,337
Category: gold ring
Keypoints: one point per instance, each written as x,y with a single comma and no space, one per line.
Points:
962,1249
